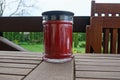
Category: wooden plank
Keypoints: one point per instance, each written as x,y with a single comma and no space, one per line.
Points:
87,49
34,24
90,79
97,64
20,54
98,60
50,71
96,32
97,74
7,45
17,65
108,58
113,41
105,40
19,61
20,58
97,68
96,55
80,23
14,71
10,77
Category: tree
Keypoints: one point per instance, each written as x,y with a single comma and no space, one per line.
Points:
22,8
18,7
2,7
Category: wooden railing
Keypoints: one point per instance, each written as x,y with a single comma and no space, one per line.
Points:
34,24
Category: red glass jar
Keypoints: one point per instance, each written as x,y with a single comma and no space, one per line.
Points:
58,29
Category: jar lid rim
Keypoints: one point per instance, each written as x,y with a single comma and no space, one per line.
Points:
56,12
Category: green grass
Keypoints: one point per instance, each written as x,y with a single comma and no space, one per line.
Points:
39,47
33,47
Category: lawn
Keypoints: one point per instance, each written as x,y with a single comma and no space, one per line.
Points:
39,47
33,47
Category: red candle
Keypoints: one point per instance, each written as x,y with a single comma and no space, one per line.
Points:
58,37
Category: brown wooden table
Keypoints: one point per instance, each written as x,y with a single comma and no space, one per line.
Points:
29,66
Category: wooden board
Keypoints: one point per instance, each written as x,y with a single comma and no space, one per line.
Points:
16,65
19,61
86,67
97,67
90,79
14,71
10,77
34,24
20,54
50,71
98,74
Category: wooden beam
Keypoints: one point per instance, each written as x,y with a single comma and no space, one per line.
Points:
34,24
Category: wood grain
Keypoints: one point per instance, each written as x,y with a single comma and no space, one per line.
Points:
50,71
34,24
97,66
17,65
98,74
14,71
10,77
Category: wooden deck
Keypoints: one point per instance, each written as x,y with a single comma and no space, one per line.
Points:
29,66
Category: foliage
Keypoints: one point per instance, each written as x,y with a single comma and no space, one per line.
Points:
78,37
30,37
80,47
33,41
75,39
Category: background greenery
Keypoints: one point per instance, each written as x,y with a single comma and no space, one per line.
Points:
33,41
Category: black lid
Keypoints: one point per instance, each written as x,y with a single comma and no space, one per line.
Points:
49,13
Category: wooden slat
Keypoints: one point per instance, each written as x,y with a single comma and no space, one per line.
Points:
19,57
96,35
49,71
14,71
34,24
107,7
19,61
97,74
96,55
87,39
8,45
98,60
10,77
98,68
105,40
90,79
17,65
97,64
113,41
20,54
